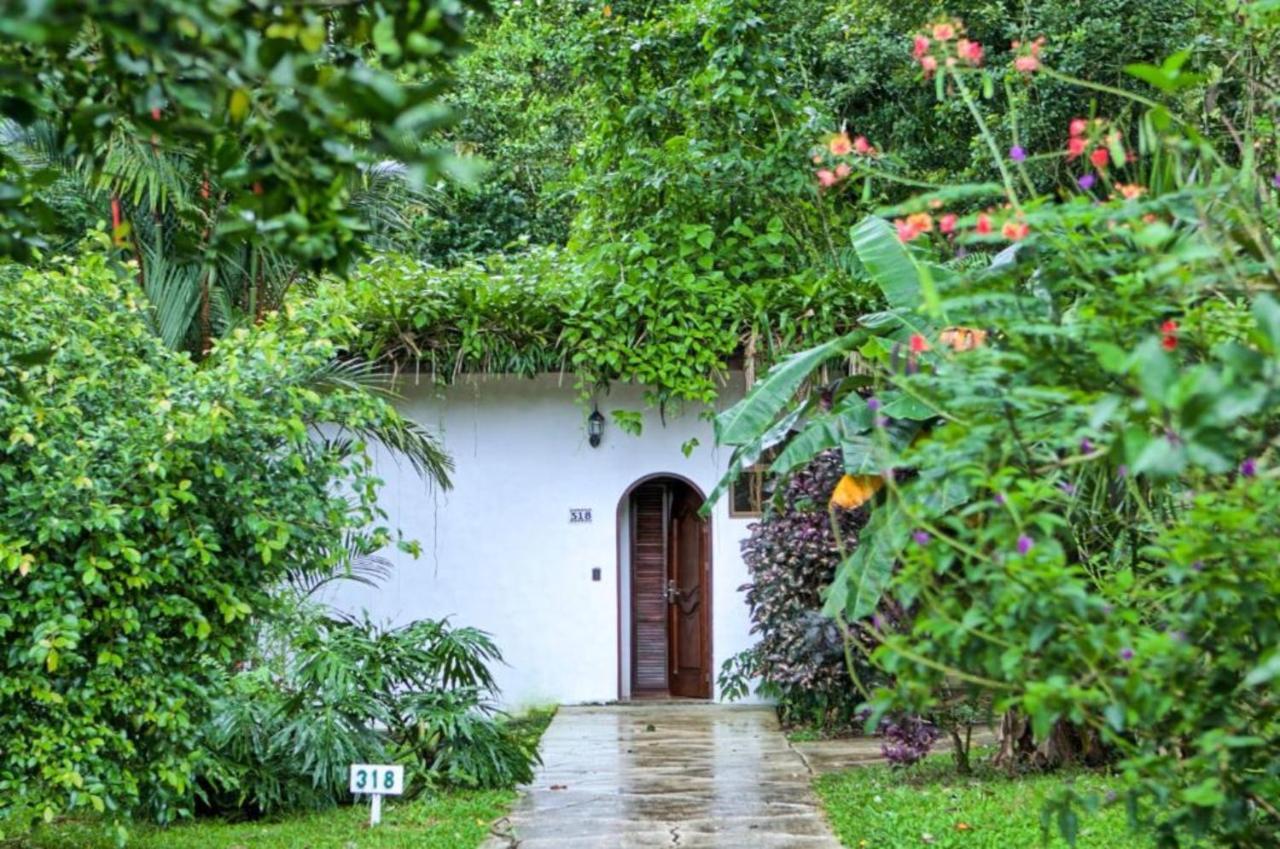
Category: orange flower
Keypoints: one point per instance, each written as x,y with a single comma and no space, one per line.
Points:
907,232
1130,191
840,145
963,826
1015,230
963,338
922,221
855,490
944,31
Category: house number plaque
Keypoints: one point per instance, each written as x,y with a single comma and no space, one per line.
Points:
579,515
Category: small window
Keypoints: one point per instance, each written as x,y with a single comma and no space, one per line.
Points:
746,494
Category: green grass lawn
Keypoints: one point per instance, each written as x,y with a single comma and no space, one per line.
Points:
453,820
928,805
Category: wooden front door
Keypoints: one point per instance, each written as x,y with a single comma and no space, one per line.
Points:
670,592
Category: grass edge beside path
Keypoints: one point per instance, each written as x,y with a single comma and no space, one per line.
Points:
931,807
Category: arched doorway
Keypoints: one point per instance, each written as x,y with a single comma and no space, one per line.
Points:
664,591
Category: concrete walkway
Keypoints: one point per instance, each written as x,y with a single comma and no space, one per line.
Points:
693,776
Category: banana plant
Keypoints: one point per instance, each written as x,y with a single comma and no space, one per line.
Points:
791,414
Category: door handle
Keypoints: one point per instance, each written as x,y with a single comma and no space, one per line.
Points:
673,594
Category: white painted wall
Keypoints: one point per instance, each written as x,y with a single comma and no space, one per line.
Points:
499,551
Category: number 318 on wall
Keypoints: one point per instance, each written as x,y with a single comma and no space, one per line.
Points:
383,779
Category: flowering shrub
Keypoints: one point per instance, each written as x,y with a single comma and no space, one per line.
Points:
792,555
1079,515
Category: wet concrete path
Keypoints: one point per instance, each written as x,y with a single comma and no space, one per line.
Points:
694,776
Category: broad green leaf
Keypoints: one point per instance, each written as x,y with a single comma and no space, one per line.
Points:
860,581
747,420
888,262
817,437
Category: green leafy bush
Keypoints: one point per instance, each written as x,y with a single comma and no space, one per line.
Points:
323,693
147,506
1078,442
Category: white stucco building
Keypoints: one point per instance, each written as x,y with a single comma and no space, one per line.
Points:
588,565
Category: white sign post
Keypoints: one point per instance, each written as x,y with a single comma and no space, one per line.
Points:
377,780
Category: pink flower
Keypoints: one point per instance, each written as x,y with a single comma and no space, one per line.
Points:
984,224
947,224
907,231
842,170
1076,147
1078,126
921,48
826,178
929,64
922,221
862,147
970,51
944,31
1026,64
840,145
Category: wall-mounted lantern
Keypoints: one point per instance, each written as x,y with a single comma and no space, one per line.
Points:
595,427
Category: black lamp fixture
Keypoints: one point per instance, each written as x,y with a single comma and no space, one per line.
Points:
595,426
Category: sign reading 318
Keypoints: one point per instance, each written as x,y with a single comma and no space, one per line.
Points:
382,779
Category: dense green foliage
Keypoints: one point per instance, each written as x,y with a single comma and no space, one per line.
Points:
660,149
1080,502
147,506
928,805
322,693
279,104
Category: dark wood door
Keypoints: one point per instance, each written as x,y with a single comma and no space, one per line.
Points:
670,589
688,587
649,590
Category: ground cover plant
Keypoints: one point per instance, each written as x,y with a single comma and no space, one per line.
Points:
1073,417
929,805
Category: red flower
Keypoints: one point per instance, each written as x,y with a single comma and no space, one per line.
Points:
1169,326
1169,337
1099,157
984,224
918,343
1075,147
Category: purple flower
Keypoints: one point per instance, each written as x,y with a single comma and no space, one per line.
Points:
1068,487
999,499
1126,653
921,537
1275,181
882,421
1108,609
1123,471
1017,154
1086,446
1086,182
873,403
1024,544
1249,467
